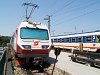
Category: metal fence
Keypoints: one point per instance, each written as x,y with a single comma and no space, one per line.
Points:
2,60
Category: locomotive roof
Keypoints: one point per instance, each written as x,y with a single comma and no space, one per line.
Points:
33,25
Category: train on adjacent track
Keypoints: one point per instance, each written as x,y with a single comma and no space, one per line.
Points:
31,40
89,40
84,46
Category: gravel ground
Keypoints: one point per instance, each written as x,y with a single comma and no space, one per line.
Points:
57,71
9,69
73,68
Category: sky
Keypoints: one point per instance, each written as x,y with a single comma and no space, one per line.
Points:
67,16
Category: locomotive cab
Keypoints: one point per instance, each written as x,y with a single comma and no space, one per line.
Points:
31,40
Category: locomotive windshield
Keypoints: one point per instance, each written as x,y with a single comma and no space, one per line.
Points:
32,33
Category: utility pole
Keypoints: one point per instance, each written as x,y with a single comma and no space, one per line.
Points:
49,22
48,18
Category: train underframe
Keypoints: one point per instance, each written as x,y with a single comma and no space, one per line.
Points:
88,57
20,59
91,58
32,57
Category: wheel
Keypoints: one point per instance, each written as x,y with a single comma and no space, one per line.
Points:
92,64
73,59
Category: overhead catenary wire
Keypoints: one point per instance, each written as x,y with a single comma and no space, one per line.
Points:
77,9
88,4
53,4
52,8
63,7
76,17
70,11
63,4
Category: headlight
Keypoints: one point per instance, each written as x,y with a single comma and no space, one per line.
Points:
45,46
27,46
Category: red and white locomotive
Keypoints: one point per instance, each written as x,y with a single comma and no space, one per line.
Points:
31,40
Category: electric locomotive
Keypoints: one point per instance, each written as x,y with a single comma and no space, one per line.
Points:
31,40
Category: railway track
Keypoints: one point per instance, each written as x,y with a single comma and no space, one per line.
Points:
31,68
45,69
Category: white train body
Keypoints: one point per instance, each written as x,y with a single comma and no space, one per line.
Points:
31,40
89,40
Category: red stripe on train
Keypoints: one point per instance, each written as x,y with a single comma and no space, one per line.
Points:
35,51
78,46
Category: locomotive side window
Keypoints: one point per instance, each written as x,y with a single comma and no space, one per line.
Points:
88,39
73,39
67,39
98,38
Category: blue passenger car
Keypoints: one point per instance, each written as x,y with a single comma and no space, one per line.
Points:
89,40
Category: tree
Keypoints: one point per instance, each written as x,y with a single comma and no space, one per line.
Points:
4,40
